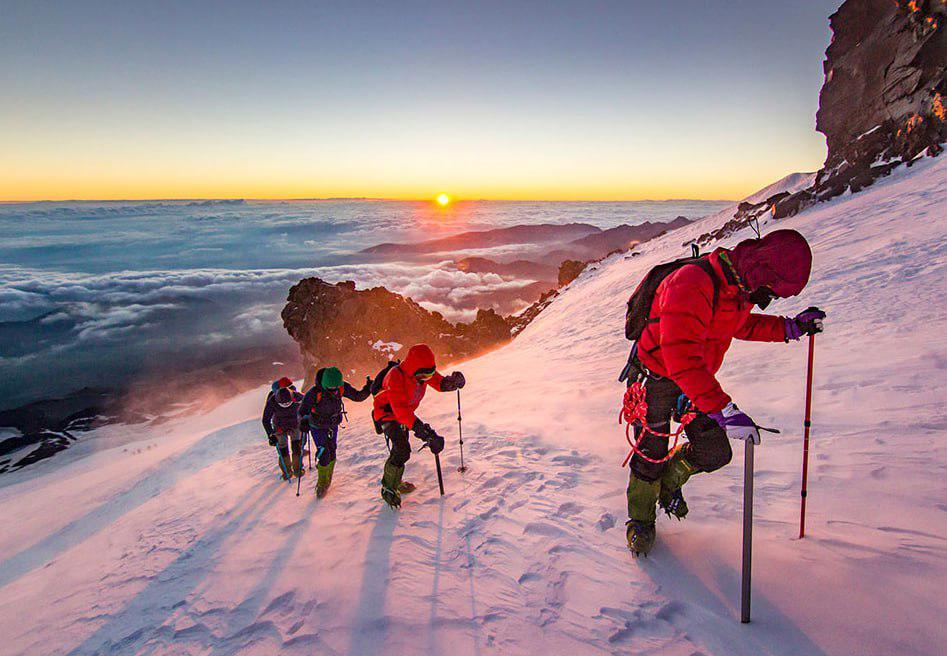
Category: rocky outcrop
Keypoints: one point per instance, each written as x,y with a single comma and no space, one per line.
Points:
360,330
884,82
570,270
38,430
881,105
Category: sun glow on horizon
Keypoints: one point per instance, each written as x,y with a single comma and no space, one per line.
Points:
443,200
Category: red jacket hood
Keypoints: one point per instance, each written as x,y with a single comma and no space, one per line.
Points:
420,356
781,260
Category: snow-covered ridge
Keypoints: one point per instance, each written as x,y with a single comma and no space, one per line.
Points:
184,541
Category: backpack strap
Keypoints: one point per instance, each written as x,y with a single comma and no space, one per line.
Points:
709,269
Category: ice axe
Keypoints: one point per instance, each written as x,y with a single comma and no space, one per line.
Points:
440,478
748,526
747,531
437,465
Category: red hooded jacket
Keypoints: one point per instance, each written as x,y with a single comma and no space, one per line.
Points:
688,341
401,392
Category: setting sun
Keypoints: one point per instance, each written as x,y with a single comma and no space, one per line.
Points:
443,200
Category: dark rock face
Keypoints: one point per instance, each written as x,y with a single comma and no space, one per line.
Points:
881,106
359,331
570,270
43,428
884,81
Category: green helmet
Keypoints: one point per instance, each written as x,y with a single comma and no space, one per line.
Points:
331,378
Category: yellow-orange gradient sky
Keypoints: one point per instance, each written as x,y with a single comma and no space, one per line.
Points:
635,101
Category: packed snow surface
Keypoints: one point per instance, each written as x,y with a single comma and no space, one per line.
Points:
182,539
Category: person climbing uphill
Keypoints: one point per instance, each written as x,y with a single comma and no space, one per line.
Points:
696,311
395,405
320,413
281,426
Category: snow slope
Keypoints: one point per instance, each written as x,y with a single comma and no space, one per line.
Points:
186,542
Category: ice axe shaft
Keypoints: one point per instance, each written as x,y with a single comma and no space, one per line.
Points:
807,424
460,430
747,531
440,478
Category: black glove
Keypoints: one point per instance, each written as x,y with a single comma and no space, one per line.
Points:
455,381
271,438
422,430
436,444
368,384
303,425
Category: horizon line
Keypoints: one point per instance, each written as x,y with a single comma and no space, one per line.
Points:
366,199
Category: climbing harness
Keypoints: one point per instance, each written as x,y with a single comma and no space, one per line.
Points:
634,411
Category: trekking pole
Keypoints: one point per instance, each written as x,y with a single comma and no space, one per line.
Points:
299,472
308,450
747,531
460,429
282,462
807,424
440,479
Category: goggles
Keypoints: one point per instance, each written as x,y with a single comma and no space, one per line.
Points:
424,374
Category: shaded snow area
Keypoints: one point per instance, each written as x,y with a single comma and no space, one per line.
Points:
185,541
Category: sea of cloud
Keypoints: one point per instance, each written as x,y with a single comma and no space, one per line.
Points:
94,294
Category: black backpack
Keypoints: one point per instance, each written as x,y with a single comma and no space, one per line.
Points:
379,380
639,305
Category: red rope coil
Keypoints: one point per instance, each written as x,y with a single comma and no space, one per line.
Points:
634,410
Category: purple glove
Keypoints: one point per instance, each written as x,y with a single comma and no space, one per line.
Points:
807,322
736,423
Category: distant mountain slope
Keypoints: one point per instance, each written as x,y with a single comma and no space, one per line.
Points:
521,234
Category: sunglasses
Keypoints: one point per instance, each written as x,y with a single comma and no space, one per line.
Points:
424,375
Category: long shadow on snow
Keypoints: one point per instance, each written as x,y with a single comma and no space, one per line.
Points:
168,472
370,626
674,576
432,622
143,616
247,612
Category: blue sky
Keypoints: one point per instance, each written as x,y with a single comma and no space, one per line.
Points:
617,100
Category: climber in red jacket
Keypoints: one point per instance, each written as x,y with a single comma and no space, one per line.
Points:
401,393
696,312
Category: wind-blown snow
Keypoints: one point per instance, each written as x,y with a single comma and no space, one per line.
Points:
185,541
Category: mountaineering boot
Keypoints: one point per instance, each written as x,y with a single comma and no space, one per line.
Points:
390,484
325,478
283,459
642,498
678,471
672,503
407,488
640,536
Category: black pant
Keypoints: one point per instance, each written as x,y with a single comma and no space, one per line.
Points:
397,435
326,441
708,448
